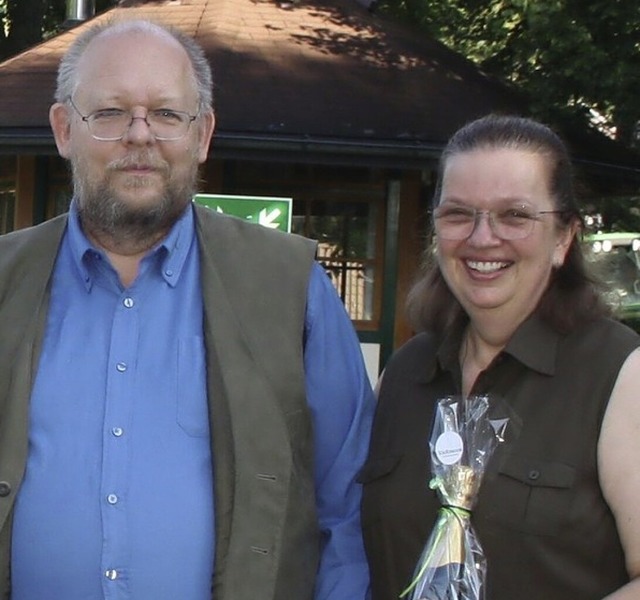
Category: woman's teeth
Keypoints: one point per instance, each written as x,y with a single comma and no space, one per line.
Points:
486,267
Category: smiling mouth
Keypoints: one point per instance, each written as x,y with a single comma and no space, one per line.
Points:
487,266
137,168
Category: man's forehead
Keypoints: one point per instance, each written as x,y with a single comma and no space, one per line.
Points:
143,38
124,54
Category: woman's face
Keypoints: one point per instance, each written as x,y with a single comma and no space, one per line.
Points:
484,271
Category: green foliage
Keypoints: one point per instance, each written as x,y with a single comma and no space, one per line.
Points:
618,214
24,23
570,56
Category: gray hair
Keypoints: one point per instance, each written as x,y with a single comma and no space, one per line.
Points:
67,80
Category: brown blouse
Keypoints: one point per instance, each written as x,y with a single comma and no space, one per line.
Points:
541,519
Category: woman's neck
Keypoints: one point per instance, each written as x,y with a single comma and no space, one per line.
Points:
481,343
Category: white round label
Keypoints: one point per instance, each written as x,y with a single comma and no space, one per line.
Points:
449,447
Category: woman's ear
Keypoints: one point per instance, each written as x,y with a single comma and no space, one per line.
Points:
566,235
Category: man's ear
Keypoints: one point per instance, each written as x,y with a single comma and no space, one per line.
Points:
207,126
60,121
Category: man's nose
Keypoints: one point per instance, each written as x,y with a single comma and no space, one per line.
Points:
139,129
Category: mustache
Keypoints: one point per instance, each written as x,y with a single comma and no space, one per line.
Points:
139,160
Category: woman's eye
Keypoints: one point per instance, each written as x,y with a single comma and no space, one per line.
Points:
457,213
516,214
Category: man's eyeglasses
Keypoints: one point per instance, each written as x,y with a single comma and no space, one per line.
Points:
455,222
112,124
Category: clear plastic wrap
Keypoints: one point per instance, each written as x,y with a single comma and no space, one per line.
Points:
464,436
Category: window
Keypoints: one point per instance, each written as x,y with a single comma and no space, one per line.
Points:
346,235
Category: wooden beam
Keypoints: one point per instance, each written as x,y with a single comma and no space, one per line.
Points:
25,192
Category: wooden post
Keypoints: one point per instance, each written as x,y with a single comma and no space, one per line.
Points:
25,191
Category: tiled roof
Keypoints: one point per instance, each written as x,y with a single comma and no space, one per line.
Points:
324,68
302,74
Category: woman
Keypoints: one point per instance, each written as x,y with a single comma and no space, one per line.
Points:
506,308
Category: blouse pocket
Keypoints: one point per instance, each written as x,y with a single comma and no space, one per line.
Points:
530,495
377,468
395,491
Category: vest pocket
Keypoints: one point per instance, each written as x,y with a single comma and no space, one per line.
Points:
530,495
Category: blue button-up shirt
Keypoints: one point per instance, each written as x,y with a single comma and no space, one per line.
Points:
117,499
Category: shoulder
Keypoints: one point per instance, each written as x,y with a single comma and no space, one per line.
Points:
618,449
262,271
418,352
217,228
413,363
604,338
21,250
16,242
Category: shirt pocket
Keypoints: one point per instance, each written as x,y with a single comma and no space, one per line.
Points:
192,411
531,495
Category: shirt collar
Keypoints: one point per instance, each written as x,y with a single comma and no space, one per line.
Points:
172,251
534,344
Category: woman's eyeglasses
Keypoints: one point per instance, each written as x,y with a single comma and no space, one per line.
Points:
456,222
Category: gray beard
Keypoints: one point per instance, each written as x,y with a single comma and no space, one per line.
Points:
105,215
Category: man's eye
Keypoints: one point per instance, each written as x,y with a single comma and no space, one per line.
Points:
108,114
167,116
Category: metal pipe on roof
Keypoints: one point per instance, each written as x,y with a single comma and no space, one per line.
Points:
80,10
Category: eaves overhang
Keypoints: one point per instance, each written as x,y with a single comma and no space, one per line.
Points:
383,153
402,154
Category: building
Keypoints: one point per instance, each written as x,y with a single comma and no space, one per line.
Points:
321,101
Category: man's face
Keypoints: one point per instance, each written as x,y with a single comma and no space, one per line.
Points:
137,185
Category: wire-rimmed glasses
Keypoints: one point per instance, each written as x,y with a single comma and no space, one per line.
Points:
456,222
112,124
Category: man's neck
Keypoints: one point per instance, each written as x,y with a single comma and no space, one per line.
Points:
126,252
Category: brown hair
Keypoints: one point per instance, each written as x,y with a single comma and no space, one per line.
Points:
573,294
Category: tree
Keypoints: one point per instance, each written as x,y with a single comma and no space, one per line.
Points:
576,60
24,23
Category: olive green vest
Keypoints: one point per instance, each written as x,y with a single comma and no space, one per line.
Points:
254,285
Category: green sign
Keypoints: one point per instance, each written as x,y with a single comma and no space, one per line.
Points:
267,211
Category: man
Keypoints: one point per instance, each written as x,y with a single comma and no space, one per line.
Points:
183,404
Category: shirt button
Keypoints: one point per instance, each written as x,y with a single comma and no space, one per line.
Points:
112,499
122,367
5,489
111,574
534,474
128,302
117,431
169,273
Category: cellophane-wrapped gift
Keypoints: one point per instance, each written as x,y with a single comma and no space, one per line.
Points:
465,433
